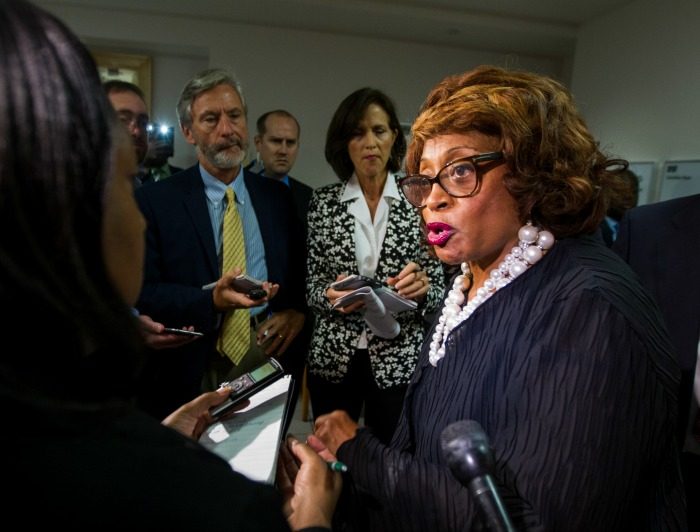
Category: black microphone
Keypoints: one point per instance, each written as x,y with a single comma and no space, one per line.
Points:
467,451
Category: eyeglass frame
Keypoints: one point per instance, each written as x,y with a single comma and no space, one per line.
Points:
493,156
129,119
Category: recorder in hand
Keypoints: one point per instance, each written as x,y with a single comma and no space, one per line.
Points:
248,384
253,288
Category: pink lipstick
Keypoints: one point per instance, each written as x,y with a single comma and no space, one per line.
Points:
439,233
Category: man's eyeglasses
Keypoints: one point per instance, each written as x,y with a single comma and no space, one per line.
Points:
460,178
130,120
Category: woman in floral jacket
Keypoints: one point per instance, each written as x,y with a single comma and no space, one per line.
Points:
364,225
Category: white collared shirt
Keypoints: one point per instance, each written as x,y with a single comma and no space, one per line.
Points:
369,234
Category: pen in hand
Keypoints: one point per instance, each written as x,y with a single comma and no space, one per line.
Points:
337,466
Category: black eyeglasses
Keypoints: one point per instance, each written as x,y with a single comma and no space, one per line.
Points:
460,178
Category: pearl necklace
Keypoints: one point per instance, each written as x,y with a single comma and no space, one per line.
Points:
532,246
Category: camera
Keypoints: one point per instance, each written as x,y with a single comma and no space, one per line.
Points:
162,138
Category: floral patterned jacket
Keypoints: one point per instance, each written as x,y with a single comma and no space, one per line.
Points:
331,251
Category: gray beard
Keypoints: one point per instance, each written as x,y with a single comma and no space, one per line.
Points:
224,161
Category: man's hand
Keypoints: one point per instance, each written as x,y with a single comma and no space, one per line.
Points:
225,296
278,331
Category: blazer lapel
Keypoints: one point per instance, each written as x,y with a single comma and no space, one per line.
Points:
195,203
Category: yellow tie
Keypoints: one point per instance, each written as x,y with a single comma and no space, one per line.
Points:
234,338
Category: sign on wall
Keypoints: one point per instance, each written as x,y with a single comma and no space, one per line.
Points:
679,178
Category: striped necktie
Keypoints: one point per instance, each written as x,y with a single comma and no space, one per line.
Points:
234,337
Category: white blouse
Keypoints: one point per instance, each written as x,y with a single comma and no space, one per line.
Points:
369,234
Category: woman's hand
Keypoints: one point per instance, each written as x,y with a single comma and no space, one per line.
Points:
333,294
309,488
332,430
192,418
411,282
155,337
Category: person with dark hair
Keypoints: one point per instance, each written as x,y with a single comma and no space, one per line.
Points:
76,453
363,225
186,280
129,102
130,105
545,339
624,194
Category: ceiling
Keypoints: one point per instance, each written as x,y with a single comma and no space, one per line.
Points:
530,27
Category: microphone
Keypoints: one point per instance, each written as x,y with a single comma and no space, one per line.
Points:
467,451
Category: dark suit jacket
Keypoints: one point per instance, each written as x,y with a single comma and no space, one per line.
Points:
181,258
301,197
301,194
661,242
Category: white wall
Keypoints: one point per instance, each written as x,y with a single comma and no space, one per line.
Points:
177,70
305,72
636,77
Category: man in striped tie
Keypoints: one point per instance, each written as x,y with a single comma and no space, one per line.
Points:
207,225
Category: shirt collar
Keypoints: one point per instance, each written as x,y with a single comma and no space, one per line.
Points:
353,190
215,190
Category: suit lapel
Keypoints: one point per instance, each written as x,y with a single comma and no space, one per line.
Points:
195,203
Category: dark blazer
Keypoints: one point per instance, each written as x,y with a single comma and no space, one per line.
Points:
301,194
572,376
301,197
661,242
181,258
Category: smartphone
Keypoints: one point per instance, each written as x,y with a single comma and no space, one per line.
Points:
183,332
248,384
249,286
351,282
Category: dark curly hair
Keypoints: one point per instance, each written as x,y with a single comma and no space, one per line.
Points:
344,122
558,176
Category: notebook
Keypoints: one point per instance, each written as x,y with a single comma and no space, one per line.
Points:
393,302
249,440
